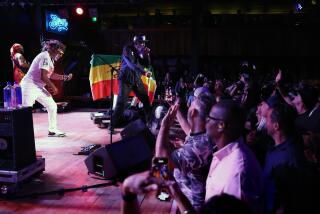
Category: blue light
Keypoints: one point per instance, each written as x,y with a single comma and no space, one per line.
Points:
55,24
299,7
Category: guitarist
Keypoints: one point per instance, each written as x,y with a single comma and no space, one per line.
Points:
20,64
135,57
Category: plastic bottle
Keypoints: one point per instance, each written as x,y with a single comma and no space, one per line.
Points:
18,95
7,96
13,98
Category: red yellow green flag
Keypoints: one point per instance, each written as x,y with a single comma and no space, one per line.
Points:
100,77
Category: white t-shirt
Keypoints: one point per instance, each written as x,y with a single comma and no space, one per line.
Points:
42,61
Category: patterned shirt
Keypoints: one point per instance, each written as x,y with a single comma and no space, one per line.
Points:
192,163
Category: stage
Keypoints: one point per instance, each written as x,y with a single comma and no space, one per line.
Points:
65,170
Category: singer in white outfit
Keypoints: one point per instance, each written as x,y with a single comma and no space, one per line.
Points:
38,76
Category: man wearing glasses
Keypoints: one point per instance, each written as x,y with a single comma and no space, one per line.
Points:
135,58
234,169
38,76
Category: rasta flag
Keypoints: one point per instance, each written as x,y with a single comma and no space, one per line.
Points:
100,77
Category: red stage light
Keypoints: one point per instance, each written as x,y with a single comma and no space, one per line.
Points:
79,11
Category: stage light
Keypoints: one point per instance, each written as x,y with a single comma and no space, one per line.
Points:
313,2
93,13
79,11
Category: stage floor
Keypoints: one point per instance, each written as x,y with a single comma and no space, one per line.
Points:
66,170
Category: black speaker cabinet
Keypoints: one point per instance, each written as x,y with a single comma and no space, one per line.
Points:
138,127
121,159
17,146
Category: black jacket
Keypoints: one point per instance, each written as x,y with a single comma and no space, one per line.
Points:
132,65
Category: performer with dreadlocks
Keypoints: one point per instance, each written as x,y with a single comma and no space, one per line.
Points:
38,76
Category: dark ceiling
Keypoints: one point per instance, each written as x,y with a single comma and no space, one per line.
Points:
178,7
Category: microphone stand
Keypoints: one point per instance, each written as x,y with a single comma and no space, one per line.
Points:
62,191
111,128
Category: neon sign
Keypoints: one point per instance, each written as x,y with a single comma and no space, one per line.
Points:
55,24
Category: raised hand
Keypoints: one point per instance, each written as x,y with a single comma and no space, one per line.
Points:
168,120
279,76
139,183
69,77
148,74
53,90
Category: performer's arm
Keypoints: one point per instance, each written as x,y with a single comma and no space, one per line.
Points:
22,61
55,76
127,56
44,77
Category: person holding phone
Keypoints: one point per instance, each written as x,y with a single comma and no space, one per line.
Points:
38,76
191,161
145,182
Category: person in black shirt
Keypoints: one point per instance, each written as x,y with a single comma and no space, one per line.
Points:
290,183
135,58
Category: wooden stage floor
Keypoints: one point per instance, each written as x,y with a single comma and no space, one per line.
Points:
66,170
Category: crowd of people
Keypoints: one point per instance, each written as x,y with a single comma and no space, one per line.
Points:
250,148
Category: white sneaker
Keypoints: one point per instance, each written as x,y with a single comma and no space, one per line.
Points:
56,133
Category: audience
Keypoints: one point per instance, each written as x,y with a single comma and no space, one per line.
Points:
217,170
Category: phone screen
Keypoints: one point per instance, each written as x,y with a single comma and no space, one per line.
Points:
160,170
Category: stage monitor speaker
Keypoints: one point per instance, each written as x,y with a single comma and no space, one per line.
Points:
17,146
130,155
138,127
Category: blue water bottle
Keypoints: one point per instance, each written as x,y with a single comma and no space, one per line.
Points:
7,96
18,94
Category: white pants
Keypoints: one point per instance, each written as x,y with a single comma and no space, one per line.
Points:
31,93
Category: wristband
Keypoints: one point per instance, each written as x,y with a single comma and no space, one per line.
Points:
129,197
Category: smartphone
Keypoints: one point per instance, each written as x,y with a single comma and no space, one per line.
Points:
160,170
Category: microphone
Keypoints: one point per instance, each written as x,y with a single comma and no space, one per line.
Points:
146,50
